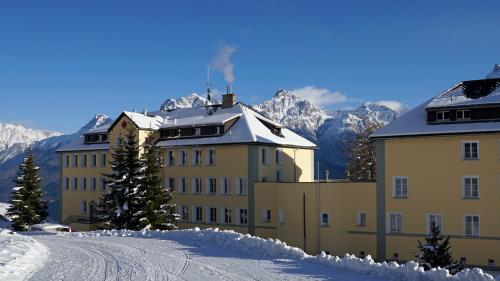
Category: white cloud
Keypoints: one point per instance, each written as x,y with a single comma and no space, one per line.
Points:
397,106
319,96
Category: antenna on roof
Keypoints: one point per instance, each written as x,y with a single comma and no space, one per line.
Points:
209,91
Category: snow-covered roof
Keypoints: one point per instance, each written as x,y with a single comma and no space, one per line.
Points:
249,128
456,96
199,120
414,123
100,129
78,145
144,121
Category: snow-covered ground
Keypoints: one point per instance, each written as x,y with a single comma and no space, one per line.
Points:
204,255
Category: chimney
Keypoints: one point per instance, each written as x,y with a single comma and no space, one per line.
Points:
229,99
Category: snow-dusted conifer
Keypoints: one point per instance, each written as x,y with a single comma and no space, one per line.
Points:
153,200
117,205
27,204
361,152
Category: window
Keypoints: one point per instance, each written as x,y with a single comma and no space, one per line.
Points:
241,186
75,183
463,114
185,213
361,219
170,158
434,219
66,183
66,161
198,214
325,219
226,186
470,150
93,184
472,225
170,183
94,160
400,187
103,184
470,188
197,157
197,131
243,219
103,160
395,222
183,187
197,185
266,215
211,156
212,186
84,184
227,216
265,179
83,207
278,176
281,216
84,160
183,158
212,215
279,156
75,161
443,116
264,156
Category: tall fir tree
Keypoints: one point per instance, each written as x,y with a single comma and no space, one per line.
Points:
155,209
116,207
27,206
436,252
361,164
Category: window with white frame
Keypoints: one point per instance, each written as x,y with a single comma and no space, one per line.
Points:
279,156
243,216
241,186
463,114
66,160
66,183
83,207
84,160
434,220
400,187
395,222
103,159
226,186
325,219
84,184
197,185
103,184
443,116
281,216
170,159
197,131
211,156
470,150
264,155
185,213
198,214
472,225
278,176
212,215
183,185
197,157
94,160
470,187
266,215
170,183
75,160
93,184
227,216
183,157
75,183
212,186
361,219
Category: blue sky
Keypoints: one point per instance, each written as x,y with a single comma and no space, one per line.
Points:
63,61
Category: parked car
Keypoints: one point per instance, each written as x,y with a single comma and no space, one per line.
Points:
50,227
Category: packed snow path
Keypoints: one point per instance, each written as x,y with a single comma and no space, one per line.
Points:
125,258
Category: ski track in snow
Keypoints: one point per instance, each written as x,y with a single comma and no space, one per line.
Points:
125,258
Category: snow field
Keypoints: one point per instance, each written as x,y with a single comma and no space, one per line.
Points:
20,256
273,248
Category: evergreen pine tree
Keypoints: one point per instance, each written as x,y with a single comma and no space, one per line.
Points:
154,202
361,152
27,205
116,207
436,252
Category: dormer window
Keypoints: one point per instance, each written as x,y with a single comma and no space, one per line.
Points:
197,131
463,114
95,138
443,116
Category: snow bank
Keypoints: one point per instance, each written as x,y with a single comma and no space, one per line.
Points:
20,256
273,248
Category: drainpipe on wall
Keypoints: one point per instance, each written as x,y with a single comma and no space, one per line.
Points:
304,220
318,238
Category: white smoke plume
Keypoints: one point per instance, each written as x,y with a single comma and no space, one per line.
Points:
222,62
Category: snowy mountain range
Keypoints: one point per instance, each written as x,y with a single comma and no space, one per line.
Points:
329,130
